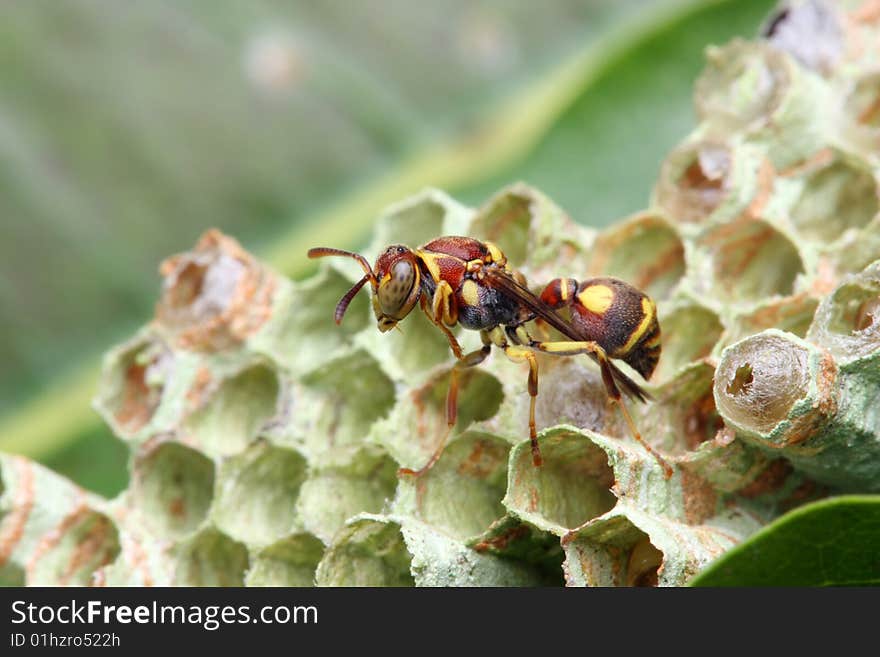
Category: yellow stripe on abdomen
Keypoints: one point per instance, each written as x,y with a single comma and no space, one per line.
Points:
649,312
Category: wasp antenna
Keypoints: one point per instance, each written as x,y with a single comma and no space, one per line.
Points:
324,251
342,306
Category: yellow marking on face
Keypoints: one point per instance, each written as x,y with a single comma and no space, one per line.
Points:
649,311
596,298
430,261
470,292
495,254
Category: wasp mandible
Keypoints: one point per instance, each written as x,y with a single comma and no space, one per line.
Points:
460,280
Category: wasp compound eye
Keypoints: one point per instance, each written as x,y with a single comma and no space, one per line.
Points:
395,289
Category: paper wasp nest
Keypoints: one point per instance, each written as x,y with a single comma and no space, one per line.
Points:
265,440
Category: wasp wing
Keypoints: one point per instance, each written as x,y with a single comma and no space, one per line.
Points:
504,282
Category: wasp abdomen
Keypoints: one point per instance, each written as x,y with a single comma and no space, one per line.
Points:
617,316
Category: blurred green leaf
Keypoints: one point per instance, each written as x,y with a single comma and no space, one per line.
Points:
601,156
828,543
97,460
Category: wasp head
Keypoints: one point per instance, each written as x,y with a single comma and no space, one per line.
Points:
397,288
395,283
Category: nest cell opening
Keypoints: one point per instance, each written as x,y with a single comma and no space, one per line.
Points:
855,309
305,335
863,104
84,543
367,553
867,315
741,86
187,288
200,290
694,181
236,413
643,564
752,261
759,380
412,224
132,390
688,333
172,487
793,314
684,410
507,222
479,398
572,487
257,492
331,496
646,251
11,574
341,400
211,559
613,552
570,391
742,379
462,494
288,562
835,198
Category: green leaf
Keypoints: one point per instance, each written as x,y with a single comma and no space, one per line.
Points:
828,543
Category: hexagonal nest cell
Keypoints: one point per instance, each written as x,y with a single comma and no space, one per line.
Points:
694,181
461,495
751,260
573,486
367,552
172,488
69,556
256,493
291,561
237,411
131,387
646,250
836,197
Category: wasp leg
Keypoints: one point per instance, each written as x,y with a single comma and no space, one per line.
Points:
468,360
518,355
574,348
443,306
453,343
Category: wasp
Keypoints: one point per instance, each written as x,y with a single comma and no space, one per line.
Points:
462,281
